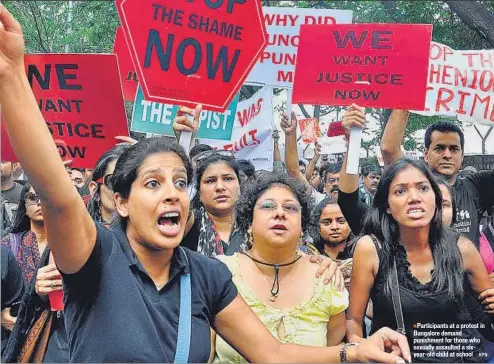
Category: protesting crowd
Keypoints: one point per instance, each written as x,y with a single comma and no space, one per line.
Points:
165,252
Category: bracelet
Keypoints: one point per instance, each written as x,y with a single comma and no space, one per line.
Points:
344,349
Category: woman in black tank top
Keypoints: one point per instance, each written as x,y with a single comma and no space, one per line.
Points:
435,268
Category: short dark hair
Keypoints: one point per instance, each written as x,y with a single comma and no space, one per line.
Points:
132,158
371,168
245,205
247,167
199,148
333,168
443,127
301,163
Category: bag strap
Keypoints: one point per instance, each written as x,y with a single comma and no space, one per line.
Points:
184,318
395,297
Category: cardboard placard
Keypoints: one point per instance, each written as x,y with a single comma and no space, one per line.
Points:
372,65
193,52
461,84
157,118
252,137
81,100
309,128
276,66
128,75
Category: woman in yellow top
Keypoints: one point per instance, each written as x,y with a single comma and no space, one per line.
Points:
278,283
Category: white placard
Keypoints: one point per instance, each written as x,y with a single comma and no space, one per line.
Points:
461,84
353,156
276,66
252,137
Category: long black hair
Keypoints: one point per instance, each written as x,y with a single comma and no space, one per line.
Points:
315,227
22,222
448,272
99,171
128,164
201,167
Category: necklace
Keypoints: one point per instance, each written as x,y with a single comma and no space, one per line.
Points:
275,289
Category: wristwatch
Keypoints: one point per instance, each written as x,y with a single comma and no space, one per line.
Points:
344,349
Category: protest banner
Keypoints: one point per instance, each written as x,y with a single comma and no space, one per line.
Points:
372,65
309,129
81,101
276,66
193,52
252,132
333,145
128,75
461,84
157,118
334,142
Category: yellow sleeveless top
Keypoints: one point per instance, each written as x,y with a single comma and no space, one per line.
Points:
305,324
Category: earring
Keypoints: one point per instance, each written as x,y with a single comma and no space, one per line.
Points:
250,237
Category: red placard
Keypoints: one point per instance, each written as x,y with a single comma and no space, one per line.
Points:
195,51
336,129
372,65
81,100
128,75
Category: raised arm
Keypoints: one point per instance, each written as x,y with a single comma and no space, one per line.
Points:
354,117
393,136
313,162
289,126
71,232
352,208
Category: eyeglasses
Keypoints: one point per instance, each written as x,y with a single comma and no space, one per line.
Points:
289,207
32,199
106,180
210,153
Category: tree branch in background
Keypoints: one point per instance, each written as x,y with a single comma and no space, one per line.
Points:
483,137
38,31
304,111
476,16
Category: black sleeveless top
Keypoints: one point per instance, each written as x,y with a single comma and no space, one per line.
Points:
420,304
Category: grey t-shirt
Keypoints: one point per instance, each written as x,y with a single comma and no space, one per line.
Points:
14,194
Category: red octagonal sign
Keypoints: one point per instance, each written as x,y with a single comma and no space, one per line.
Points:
193,51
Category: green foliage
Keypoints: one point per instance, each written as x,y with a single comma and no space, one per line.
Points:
63,26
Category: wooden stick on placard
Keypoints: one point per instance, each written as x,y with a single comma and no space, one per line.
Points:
289,93
353,156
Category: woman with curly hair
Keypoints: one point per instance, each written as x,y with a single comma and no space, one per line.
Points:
273,278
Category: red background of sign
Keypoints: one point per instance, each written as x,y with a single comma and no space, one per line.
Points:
303,123
409,56
102,102
173,87
125,65
336,129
